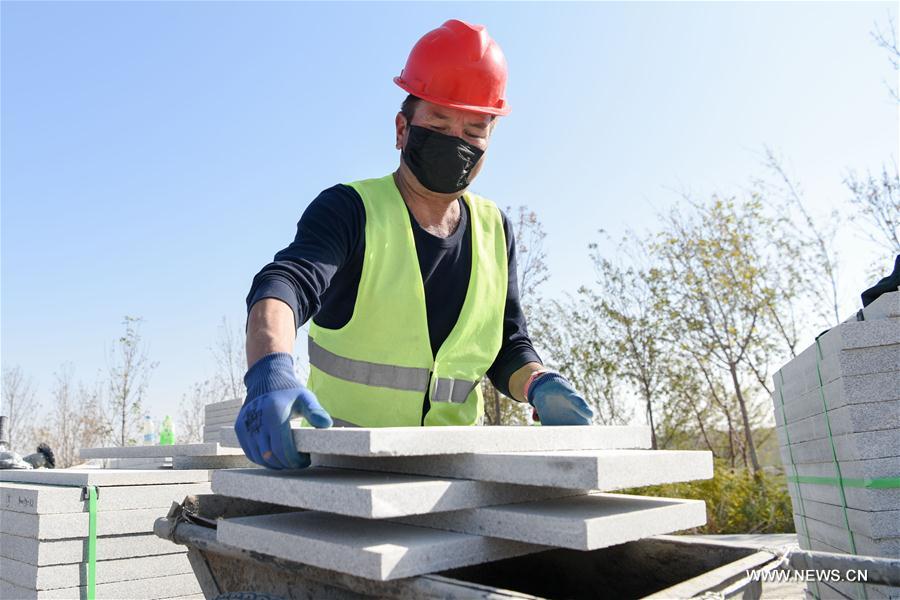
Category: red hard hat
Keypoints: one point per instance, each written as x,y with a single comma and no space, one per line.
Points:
457,65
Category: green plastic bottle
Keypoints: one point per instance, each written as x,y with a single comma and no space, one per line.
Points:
166,435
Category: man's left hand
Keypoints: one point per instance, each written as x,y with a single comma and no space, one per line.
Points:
557,402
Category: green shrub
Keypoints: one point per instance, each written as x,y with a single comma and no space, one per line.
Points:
737,501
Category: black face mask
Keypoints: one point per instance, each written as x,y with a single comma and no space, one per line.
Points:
442,163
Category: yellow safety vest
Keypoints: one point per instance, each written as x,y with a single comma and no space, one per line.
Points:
375,370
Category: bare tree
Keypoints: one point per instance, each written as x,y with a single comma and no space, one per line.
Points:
60,429
75,419
129,373
877,204
193,411
718,297
817,239
531,259
19,405
531,264
579,345
886,38
94,427
226,383
625,301
230,360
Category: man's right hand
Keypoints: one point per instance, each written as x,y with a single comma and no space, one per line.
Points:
274,397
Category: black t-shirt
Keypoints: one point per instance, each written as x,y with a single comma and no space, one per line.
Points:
318,274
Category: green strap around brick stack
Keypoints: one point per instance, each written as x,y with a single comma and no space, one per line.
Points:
796,475
837,465
877,483
92,543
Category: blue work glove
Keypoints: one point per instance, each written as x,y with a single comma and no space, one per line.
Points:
556,401
274,397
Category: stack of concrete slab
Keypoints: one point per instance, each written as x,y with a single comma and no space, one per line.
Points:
44,524
205,455
208,454
837,410
397,502
160,462
218,415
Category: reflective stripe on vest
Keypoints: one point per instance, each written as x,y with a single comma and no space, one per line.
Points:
445,389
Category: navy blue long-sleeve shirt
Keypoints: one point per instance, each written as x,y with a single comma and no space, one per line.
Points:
318,274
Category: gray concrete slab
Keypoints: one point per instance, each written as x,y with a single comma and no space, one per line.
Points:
862,361
874,468
74,525
213,462
215,410
215,425
856,590
858,498
203,449
849,446
222,412
372,549
854,469
807,382
839,537
226,436
843,391
850,335
370,495
859,418
426,441
75,574
885,306
45,499
602,470
104,476
225,404
221,416
861,334
846,363
156,588
130,463
872,523
57,552
586,522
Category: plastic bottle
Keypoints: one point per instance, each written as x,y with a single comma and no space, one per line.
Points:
166,432
147,431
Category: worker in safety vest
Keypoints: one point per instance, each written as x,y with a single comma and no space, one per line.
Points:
410,279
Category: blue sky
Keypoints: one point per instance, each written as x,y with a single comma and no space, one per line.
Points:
156,155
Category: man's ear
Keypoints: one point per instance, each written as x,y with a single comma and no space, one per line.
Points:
400,126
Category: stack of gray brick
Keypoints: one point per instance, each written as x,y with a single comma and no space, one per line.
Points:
205,455
44,524
398,502
208,454
837,412
218,415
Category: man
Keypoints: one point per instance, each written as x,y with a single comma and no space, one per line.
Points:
409,278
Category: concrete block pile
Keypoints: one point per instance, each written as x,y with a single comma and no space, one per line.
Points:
837,411
45,529
397,502
218,415
205,455
208,454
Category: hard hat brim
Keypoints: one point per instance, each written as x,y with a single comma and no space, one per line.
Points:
486,110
